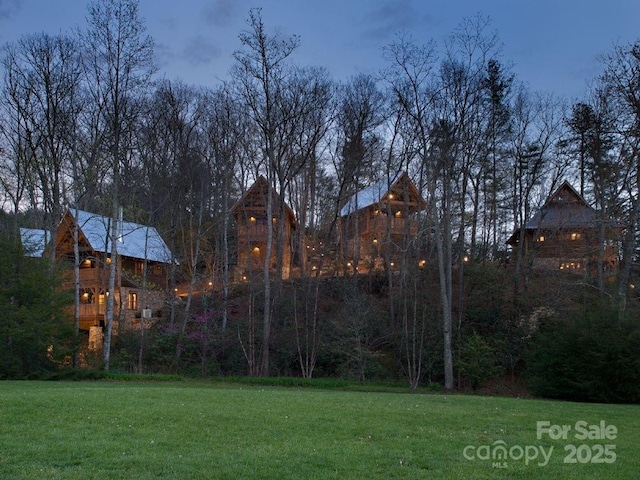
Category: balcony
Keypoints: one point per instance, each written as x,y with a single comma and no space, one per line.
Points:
252,232
380,226
88,277
93,309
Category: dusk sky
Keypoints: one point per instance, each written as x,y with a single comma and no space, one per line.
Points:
552,44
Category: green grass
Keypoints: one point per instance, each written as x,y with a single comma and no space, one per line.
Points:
192,430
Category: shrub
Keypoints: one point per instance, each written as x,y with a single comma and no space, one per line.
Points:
591,357
36,335
478,361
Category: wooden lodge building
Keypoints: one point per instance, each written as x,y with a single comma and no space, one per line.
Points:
250,215
379,220
568,234
138,247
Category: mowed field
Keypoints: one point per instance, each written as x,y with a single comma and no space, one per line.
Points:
197,430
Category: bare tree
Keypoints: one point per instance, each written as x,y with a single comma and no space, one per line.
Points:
412,83
43,81
223,129
622,79
358,160
260,72
118,67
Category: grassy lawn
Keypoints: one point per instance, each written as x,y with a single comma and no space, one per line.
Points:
185,430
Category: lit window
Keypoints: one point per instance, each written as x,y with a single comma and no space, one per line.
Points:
86,295
252,219
133,300
139,268
540,238
398,214
575,236
256,251
570,266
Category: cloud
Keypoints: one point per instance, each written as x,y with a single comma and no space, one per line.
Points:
164,55
389,17
200,50
8,8
222,13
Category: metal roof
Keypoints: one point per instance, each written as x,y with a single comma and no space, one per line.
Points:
563,216
134,240
565,209
366,197
375,193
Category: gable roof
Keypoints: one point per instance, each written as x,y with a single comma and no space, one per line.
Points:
565,208
259,189
34,241
134,240
375,194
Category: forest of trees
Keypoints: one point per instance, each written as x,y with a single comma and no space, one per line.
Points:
85,122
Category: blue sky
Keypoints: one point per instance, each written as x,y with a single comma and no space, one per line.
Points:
553,44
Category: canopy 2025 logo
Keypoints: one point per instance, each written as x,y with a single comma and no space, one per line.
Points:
500,454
